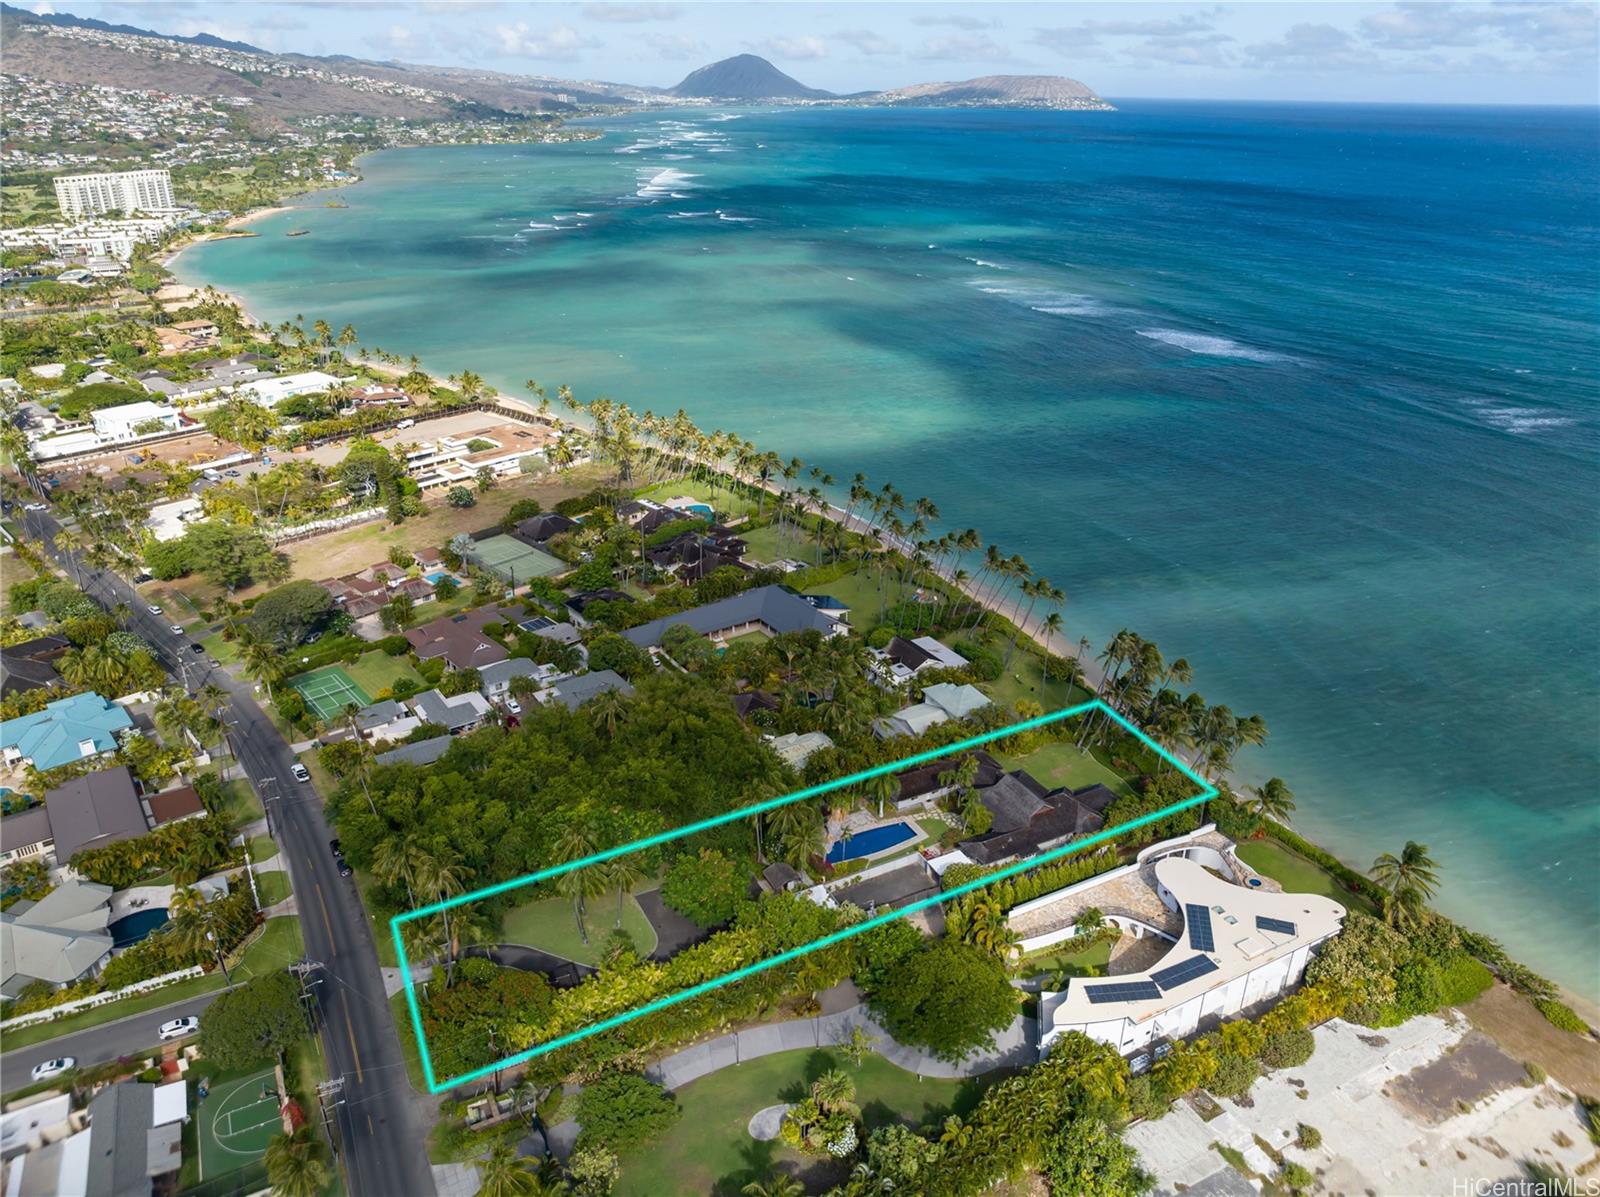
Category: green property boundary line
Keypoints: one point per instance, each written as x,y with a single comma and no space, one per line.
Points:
1207,792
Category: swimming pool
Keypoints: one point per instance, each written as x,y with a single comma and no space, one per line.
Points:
439,575
132,928
873,839
701,509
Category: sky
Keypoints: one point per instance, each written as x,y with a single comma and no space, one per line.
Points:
1506,52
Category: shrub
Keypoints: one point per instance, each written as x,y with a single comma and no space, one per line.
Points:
1307,1138
460,496
1461,979
1234,1075
1297,1177
624,1112
1535,1071
707,888
1144,1098
393,646
1561,1016
1288,1049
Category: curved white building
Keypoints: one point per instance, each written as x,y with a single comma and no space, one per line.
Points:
1239,946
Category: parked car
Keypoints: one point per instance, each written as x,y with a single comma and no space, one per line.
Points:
344,867
153,609
179,1027
175,628
513,706
139,579
34,506
333,846
231,473
196,648
50,1068
301,773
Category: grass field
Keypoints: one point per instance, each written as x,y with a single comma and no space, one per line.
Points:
859,591
727,506
709,1149
240,804
279,944
769,544
548,925
328,691
1064,765
236,1120
377,671
273,887
1088,962
225,651
1297,874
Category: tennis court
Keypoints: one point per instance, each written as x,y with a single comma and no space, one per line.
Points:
510,560
328,691
236,1120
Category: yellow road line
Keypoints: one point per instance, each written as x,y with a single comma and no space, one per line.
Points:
333,948
354,1051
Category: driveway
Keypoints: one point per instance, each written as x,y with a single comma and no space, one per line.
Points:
673,931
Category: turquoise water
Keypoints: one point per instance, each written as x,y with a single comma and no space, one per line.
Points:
1306,394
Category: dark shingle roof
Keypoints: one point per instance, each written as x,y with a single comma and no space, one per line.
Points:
773,606
421,752
94,810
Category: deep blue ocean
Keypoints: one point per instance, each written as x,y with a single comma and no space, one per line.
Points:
1306,394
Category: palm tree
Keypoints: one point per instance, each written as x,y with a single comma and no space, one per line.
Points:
885,789
438,876
503,1174
621,873
989,930
607,709
577,885
295,1166
1273,800
1408,880
833,1090
777,1184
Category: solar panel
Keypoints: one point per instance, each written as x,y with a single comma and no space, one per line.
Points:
1282,926
1198,919
1182,972
1125,991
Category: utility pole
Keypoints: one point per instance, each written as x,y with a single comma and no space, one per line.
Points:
305,971
326,1090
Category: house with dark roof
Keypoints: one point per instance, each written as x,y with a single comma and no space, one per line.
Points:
94,810
31,664
26,834
135,1138
923,784
901,660
460,639
751,701
174,806
1028,818
418,752
536,531
459,713
580,602
770,609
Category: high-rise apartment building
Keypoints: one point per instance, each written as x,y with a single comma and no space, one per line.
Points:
129,191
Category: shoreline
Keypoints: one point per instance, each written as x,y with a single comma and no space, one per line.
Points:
1059,644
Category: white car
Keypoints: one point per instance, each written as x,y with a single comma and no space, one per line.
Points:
175,628
179,1027
34,507
513,706
301,773
153,609
50,1068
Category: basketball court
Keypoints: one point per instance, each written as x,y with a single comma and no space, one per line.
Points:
328,691
235,1121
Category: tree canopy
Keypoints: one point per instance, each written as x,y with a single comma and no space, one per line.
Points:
948,997
254,1022
286,614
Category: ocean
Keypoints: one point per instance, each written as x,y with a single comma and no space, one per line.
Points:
1304,393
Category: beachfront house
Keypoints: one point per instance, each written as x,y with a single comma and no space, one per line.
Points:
269,392
769,610
901,660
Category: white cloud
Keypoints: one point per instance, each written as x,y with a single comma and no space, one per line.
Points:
561,43
963,47
676,45
397,41
1311,47
632,14
799,48
1072,38
865,41
955,20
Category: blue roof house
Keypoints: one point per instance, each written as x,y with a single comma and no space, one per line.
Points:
69,729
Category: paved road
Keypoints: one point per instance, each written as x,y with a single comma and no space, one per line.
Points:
382,1134
129,1036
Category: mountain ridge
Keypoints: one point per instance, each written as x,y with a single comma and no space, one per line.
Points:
745,77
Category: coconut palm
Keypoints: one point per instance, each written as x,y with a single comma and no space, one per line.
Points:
1273,800
988,928
608,709
1409,881
885,790
295,1166
621,873
577,885
778,1184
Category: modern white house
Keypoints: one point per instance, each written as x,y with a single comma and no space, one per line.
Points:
269,392
1238,946
130,421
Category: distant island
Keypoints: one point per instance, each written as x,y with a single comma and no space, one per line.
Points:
751,79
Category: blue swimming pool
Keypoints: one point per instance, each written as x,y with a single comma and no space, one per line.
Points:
130,929
439,575
701,509
873,839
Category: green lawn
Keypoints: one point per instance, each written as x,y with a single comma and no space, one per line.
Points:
240,804
709,1149
273,887
376,671
1025,679
326,784
1297,874
225,651
859,591
1086,962
262,847
727,506
933,829
548,924
279,944
1061,764
401,1009
770,544
756,637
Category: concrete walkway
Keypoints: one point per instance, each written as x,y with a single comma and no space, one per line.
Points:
1014,1047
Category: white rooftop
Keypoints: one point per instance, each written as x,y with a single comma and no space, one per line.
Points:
1236,945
